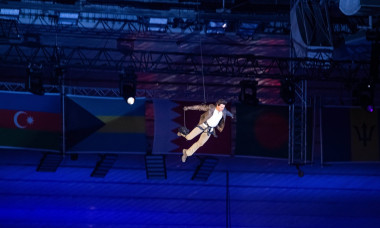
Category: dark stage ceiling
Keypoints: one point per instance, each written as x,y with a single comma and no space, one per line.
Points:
179,49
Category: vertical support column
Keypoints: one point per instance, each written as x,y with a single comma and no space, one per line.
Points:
60,76
297,151
320,131
298,126
317,130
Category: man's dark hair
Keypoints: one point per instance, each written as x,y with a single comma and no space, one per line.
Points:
221,101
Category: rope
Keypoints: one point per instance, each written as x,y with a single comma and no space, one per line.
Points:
184,118
202,70
203,76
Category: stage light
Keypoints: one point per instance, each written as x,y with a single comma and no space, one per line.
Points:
34,80
9,14
247,30
128,92
370,108
158,24
128,85
248,90
287,91
131,100
364,96
216,27
66,18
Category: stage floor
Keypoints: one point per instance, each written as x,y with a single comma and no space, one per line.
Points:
260,192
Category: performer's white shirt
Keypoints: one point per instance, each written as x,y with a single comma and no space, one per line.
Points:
215,118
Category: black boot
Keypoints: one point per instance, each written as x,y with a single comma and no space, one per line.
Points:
183,130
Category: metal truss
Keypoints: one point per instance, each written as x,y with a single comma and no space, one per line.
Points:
115,92
315,23
71,90
111,20
114,19
298,126
298,109
112,59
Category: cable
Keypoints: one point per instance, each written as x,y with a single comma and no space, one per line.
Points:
200,46
203,76
184,118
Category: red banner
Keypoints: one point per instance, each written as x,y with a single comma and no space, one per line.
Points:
30,120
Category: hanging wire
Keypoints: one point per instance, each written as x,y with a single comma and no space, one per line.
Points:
202,70
184,118
200,46
203,76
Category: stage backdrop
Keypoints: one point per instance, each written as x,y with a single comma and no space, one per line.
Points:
97,124
350,134
168,117
30,121
262,130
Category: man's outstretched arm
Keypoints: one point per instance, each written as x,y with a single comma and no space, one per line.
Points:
228,113
197,107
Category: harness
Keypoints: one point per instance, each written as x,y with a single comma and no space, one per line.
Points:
210,130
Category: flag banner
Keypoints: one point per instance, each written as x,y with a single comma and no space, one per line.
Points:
164,126
30,121
97,124
169,116
262,130
350,134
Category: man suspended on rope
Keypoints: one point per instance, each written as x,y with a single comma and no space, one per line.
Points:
214,117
